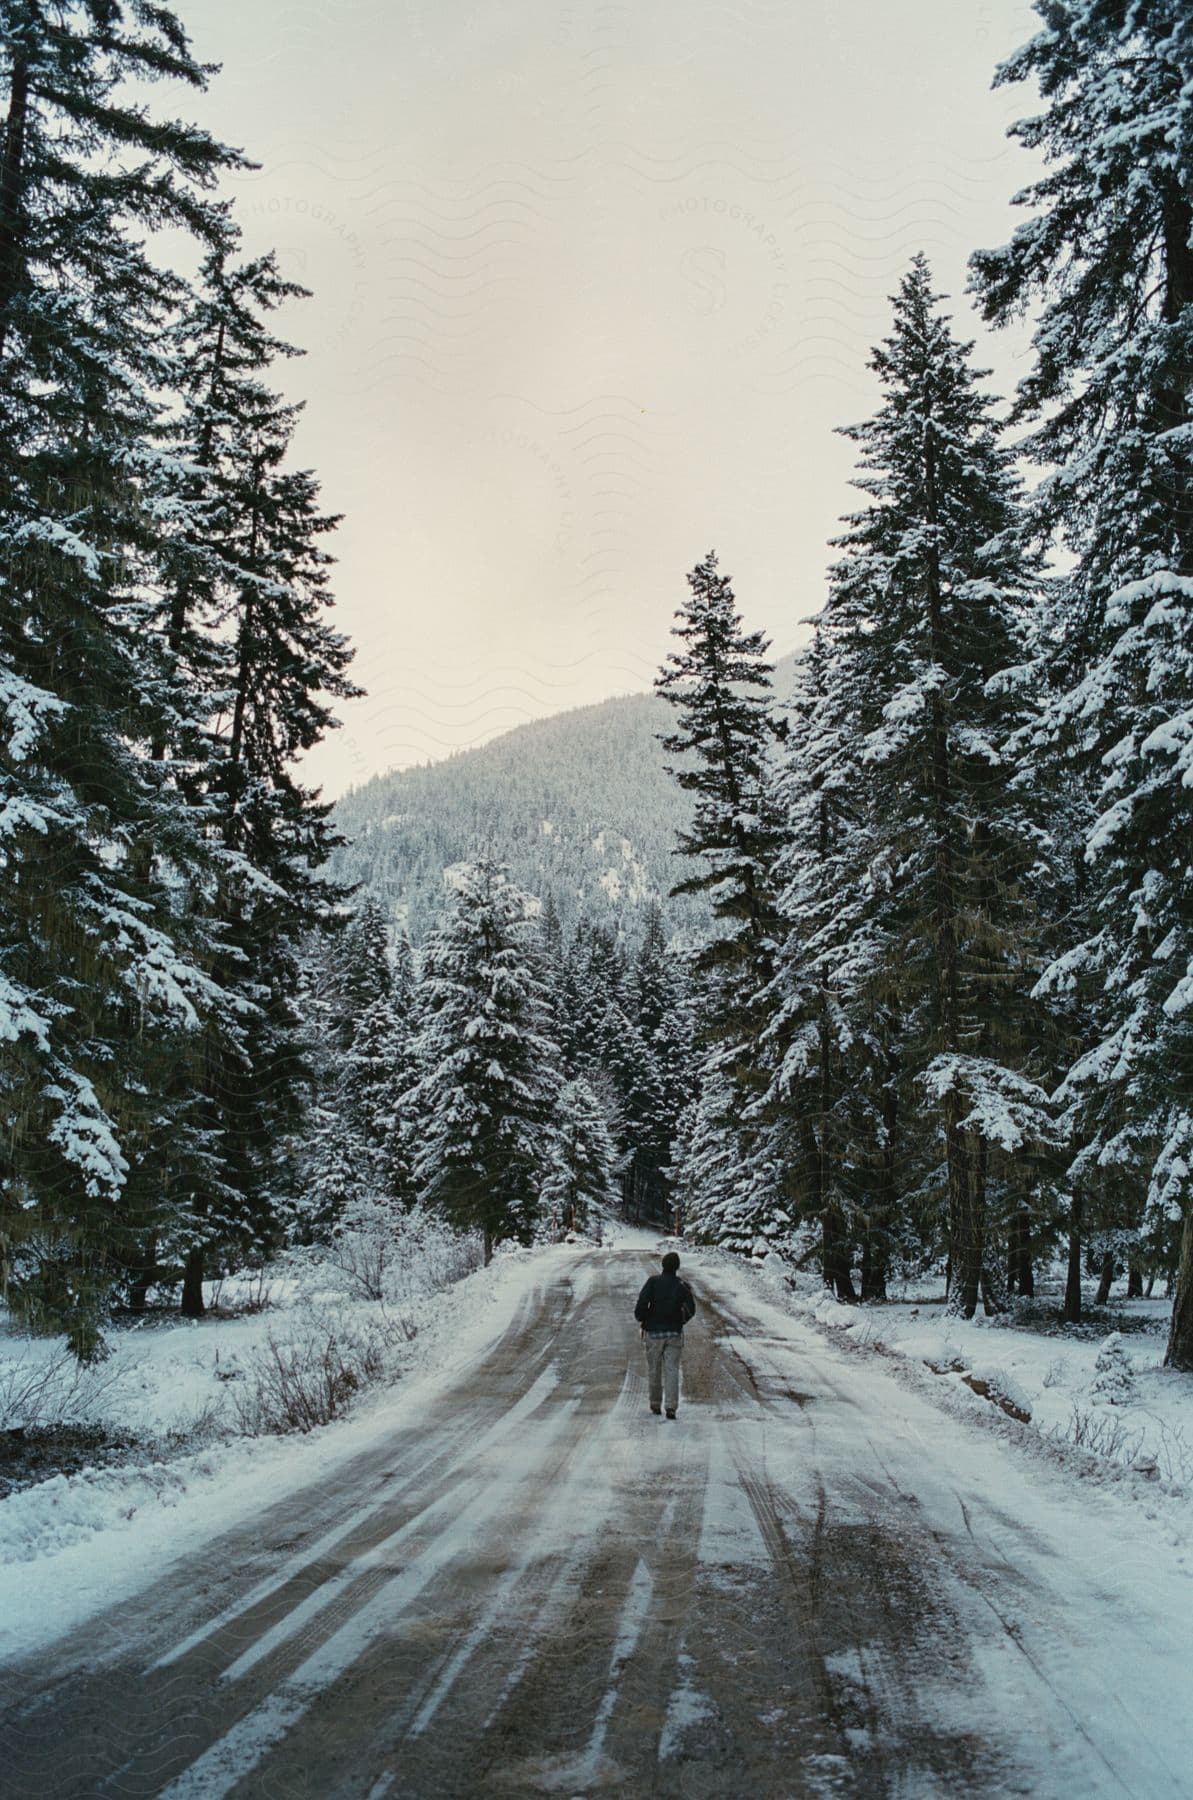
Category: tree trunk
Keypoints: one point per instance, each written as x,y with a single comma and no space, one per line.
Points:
143,1279
994,1289
488,1246
1021,1276
1177,225
12,160
1134,1279
193,1303
993,1280
1105,1279
836,1253
1180,1337
966,1217
876,1250
1071,1310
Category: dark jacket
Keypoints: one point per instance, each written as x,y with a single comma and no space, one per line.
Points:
664,1305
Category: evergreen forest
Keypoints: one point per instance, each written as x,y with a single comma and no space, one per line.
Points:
892,969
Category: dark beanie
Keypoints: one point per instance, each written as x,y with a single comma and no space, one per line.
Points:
671,1262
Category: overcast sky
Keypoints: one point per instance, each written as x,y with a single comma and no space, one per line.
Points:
593,283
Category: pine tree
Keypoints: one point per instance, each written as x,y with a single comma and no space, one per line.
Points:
643,1120
579,1176
1108,258
358,1004
719,684
553,975
830,1141
365,972
333,1172
250,552
103,969
663,1014
714,1206
924,615
219,346
481,1106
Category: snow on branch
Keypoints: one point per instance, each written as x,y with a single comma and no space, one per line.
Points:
1005,1108
59,537
1168,1189
27,710
17,1017
84,1134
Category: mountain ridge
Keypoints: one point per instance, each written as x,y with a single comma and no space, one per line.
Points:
579,805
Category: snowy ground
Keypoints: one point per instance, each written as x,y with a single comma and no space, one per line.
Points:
840,1563
180,1467
505,1576
1101,1386
173,1459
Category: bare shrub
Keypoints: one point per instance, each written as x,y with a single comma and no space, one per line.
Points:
363,1250
387,1253
239,1292
297,1384
256,1293
40,1392
1174,1457
195,1430
1103,1434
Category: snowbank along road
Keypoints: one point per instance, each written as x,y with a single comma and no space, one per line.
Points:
813,1583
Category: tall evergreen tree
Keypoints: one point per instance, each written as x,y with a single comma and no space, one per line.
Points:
924,614
579,1176
643,1120
365,972
720,686
829,1061
102,964
481,1106
714,1205
1107,256
250,551
663,1014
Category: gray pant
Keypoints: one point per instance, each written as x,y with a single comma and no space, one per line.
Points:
662,1368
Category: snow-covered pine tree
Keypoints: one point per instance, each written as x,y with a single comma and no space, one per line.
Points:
643,1121
251,546
374,1074
720,686
332,1173
665,1021
481,1107
925,610
581,1161
594,977
830,1112
103,966
714,1205
403,973
553,972
357,1004
365,971
1107,255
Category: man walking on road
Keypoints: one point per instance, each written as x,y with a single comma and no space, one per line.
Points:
664,1307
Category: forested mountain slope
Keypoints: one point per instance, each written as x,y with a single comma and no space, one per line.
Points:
579,806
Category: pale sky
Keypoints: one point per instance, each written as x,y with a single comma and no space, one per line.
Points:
593,283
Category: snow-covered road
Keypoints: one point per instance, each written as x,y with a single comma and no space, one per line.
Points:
812,1583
